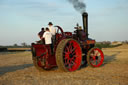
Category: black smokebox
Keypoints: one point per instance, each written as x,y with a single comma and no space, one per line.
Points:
85,23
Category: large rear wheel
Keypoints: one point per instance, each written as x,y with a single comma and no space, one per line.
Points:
38,57
68,55
95,57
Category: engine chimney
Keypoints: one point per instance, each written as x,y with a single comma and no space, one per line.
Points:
85,23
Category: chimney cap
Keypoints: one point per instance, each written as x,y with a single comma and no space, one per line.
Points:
85,14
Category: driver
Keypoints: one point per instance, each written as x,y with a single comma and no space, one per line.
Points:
52,30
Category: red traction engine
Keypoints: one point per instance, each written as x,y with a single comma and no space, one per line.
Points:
70,50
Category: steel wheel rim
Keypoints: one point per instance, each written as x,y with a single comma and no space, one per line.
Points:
96,57
72,55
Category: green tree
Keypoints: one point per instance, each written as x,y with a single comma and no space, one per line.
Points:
15,45
24,44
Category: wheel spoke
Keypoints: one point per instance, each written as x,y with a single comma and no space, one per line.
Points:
65,52
73,49
96,62
70,45
67,56
91,55
65,59
93,62
97,53
75,56
73,63
91,59
73,59
99,59
67,48
66,62
73,52
69,66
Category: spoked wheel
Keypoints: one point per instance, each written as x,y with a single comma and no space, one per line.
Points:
95,57
38,57
68,55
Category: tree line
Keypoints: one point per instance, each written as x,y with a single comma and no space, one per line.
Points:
22,45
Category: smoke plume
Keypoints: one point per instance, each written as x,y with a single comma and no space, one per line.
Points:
79,5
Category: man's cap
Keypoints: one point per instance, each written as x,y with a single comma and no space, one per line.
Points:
50,23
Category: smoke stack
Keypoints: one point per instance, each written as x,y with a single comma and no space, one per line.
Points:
85,23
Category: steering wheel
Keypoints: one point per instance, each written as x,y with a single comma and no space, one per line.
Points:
59,33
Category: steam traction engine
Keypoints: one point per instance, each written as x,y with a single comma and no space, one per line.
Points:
70,50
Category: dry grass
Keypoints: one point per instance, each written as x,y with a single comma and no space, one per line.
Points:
17,69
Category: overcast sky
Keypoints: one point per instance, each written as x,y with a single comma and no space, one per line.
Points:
21,20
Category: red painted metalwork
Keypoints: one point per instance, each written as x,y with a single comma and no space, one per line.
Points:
44,57
68,34
72,55
90,42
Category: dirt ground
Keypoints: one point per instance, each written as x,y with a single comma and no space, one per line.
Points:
18,69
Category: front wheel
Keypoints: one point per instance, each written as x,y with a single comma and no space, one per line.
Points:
95,57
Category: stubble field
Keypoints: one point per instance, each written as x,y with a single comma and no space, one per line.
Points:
18,69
